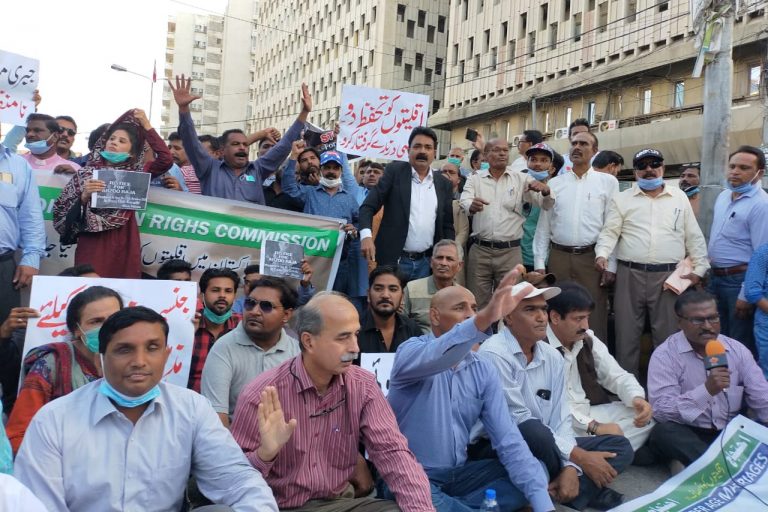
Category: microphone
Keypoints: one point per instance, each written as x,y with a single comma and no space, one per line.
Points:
715,357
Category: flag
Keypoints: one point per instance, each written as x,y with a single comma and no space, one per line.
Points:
154,72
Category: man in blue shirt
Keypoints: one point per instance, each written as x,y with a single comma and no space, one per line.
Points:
739,227
439,389
21,226
233,177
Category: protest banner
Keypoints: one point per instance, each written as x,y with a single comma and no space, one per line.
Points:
208,232
175,300
318,138
724,479
18,81
281,259
376,123
126,190
380,364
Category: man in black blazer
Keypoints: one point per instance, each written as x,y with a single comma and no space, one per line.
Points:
418,209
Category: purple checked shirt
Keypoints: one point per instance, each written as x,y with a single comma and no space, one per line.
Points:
676,389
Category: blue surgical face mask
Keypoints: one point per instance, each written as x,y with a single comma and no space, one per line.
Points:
91,339
114,157
650,184
741,189
106,389
538,175
484,166
38,147
214,318
455,161
691,191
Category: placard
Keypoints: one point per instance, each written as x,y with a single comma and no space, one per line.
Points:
281,259
380,364
18,80
126,190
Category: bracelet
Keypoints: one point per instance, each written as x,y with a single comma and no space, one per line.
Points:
592,427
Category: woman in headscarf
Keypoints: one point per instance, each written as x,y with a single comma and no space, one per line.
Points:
56,369
108,238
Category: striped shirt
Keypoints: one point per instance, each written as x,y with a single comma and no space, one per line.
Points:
318,460
190,178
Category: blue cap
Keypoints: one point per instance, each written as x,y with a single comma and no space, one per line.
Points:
330,156
490,494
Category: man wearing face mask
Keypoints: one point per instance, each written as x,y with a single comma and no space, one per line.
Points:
690,177
155,434
540,165
498,200
739,227
42,141
566,235
652,228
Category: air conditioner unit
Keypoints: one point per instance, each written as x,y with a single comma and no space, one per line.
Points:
561,133
611,124
516,139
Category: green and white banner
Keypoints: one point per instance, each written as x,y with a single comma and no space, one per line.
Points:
207,232
730,476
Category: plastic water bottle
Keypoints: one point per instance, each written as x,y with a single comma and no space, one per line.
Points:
490,504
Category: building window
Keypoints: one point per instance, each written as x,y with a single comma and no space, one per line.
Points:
408,72
419,61
431,34
477,65
464,10
679,94
523,23
435,106
398,56
577,27
461,72
438,66
494,58
553,36
486,40
427,76
647,101
422,18
566,10
441,24
591,112
503,33
410,29
754,80
455,54
480,5
373,14
511,50
470,47
630,12
532,44
663,6
602,13
400,12
544,13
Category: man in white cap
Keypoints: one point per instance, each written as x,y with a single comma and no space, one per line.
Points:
533,379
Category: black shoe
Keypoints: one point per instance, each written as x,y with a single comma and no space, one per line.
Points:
607,499
644,457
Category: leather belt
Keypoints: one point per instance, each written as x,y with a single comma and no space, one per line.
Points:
729,271
582,249
650,267
6,256
416,255
493,244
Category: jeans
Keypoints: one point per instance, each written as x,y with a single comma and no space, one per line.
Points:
726,290
414,269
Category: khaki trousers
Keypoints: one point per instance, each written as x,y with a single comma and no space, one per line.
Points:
581,269
640,293
486,267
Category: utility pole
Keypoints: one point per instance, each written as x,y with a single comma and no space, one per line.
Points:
715,137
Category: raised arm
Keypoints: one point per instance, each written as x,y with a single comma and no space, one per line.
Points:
198,156
288,182
272,159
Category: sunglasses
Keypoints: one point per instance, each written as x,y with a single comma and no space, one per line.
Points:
69,131
655,164
264,305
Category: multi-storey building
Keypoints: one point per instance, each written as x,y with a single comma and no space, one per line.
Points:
626,65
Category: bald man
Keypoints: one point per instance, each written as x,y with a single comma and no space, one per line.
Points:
498,200
439,389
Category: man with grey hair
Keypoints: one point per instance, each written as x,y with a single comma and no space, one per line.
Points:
337,405
446,262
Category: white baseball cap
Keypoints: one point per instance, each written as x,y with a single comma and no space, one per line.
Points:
548,293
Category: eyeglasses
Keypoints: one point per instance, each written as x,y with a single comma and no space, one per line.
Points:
329,410
701,320
264,305
655,164
69,131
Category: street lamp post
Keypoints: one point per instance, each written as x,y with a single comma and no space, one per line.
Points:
118,67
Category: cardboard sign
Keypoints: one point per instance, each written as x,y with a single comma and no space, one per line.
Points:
126,190
380,364
175,300
18,80
281,259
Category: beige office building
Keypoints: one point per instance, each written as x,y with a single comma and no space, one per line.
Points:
215,51
329,43
625,65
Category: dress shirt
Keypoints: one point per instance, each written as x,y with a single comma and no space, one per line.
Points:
174,172
81,453
235,360
645,229
369,339
501,220
219,180
521,380
439,389
610,376
520,164
14,137
204,340
21,216
421,220
48,164
15,497
578,215
190,178
676,377
320,457
317,200
739,227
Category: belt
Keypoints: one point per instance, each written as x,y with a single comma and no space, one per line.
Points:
729,271
581,249
650,267
494,244
7,256
416,255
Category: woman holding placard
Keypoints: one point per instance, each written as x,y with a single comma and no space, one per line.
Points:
108,238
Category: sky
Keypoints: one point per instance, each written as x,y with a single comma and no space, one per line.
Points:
77,41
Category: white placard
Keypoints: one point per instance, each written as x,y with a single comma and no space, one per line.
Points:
380,364
18,80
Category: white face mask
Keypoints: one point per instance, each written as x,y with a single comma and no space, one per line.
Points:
327,183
